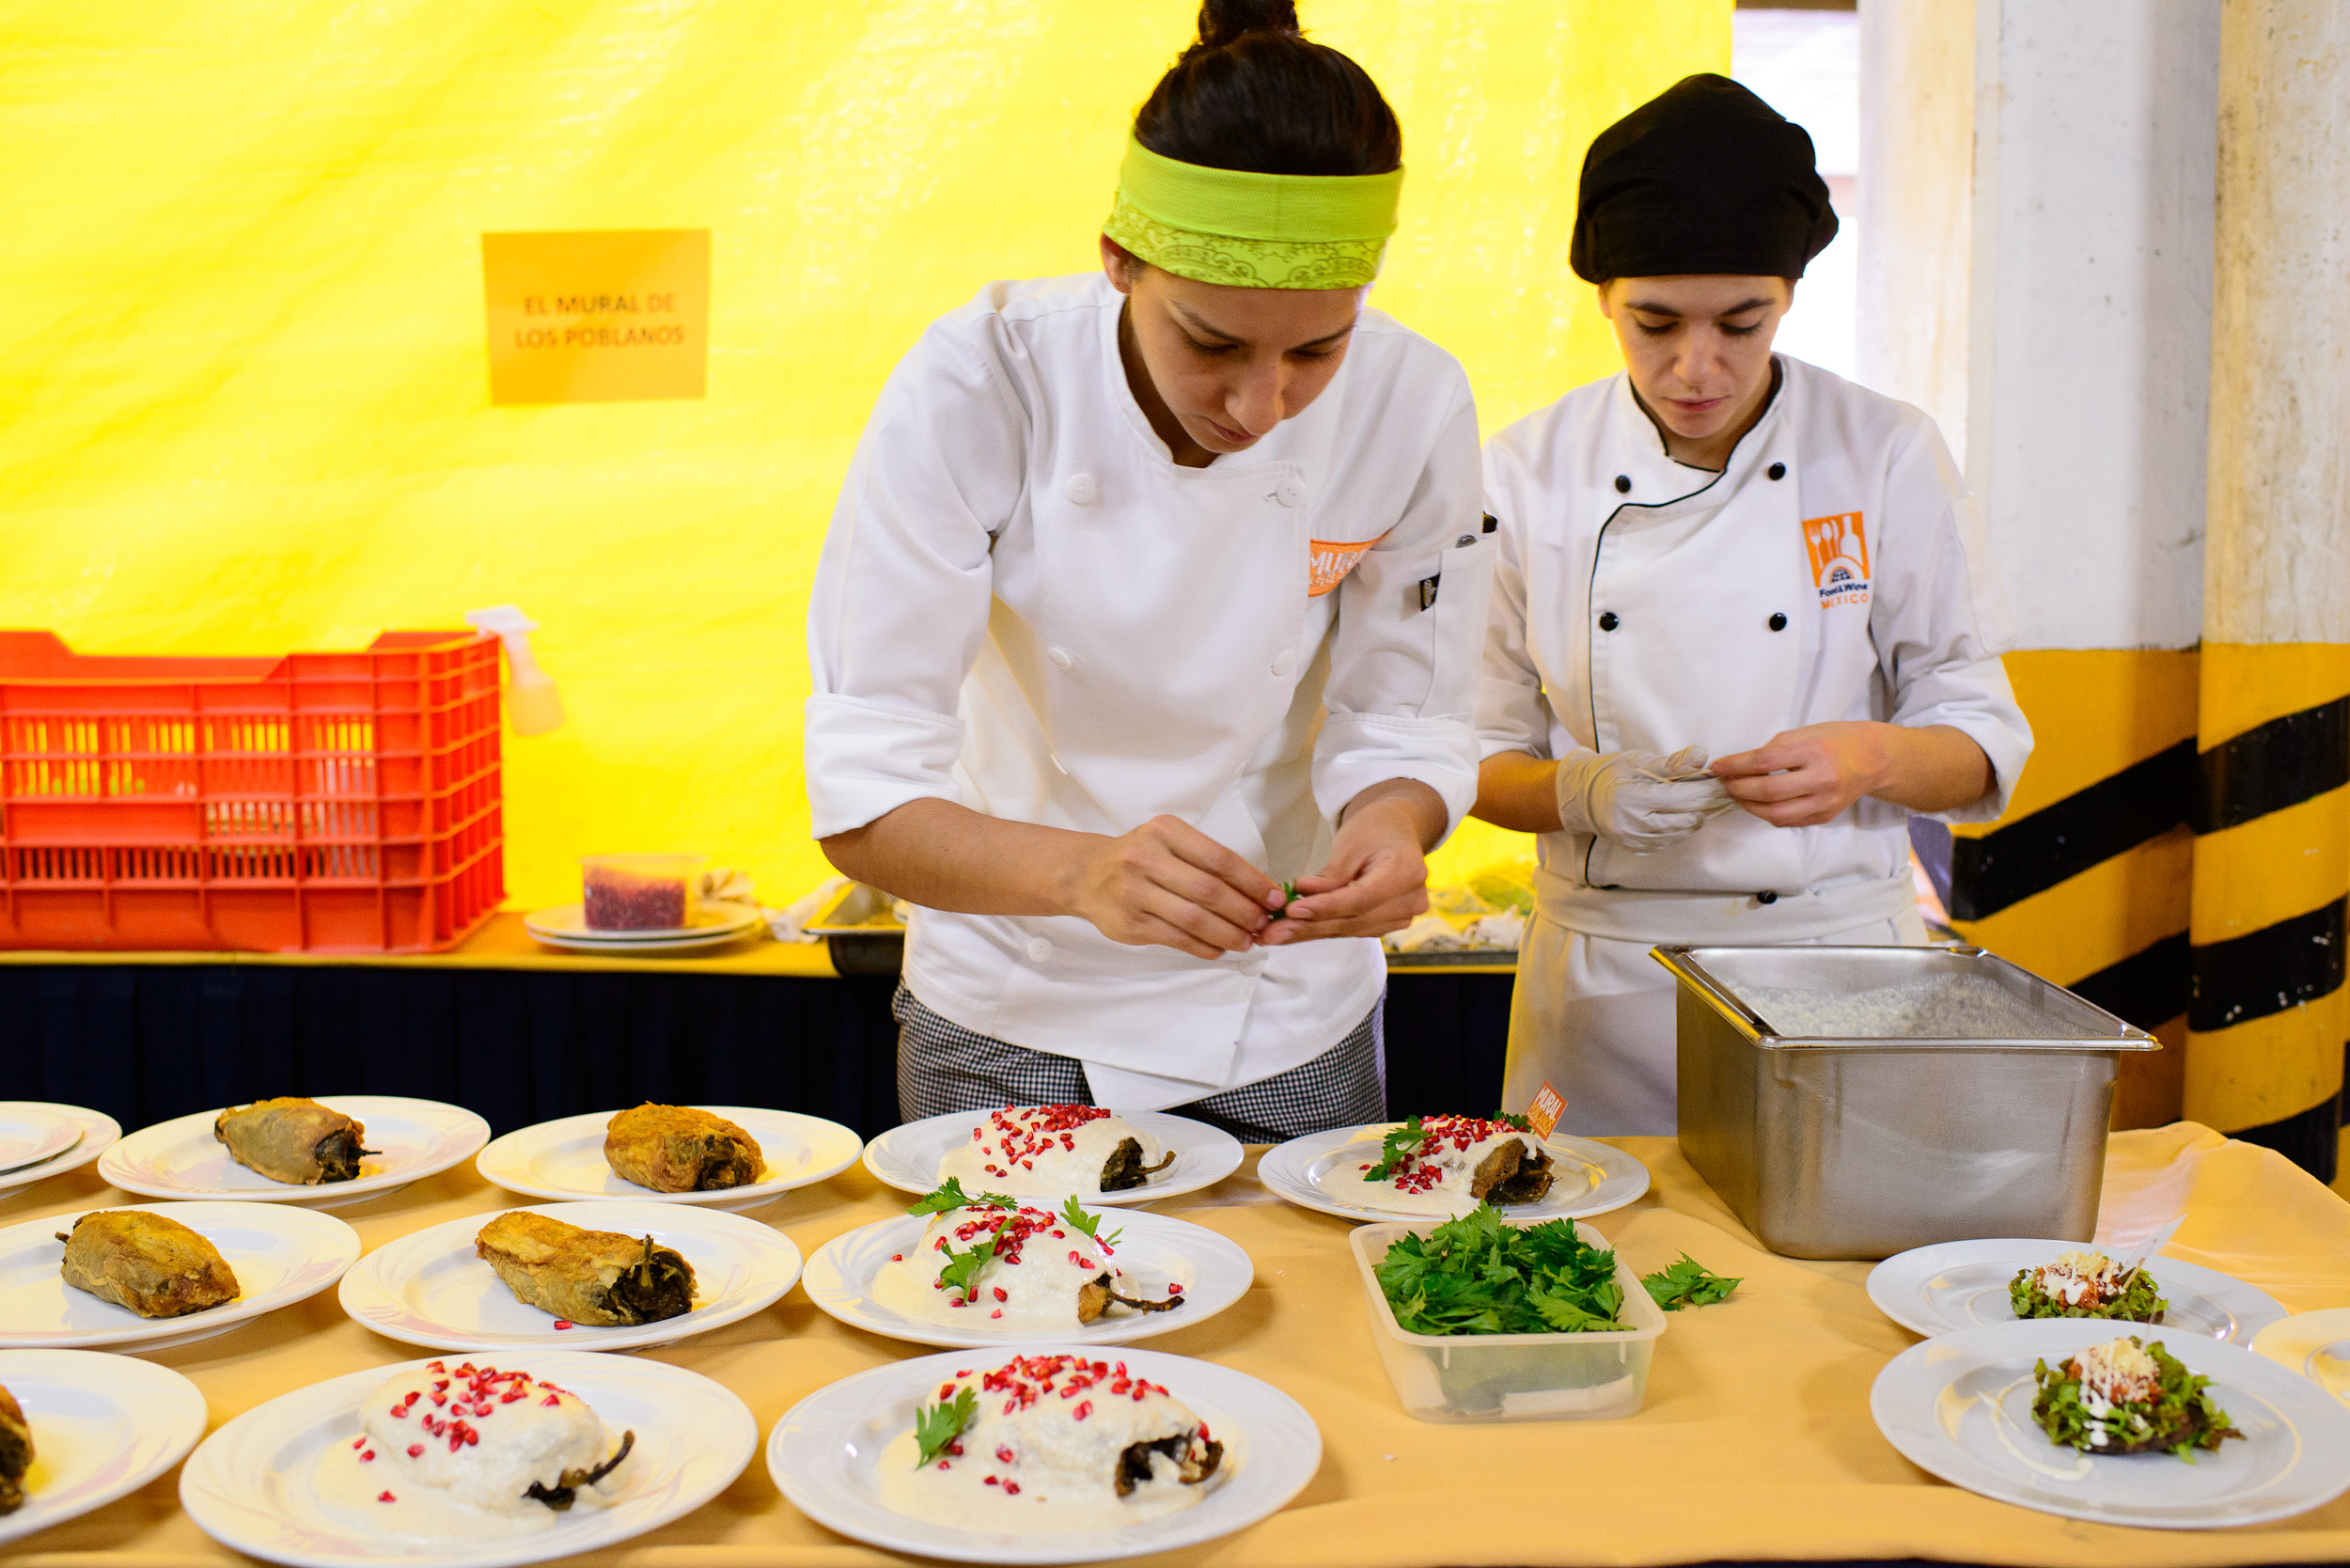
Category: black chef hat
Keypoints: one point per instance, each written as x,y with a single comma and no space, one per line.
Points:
1703,178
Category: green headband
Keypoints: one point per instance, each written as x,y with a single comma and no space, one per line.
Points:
1253,230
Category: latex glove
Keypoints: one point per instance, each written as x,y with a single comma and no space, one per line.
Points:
1642,800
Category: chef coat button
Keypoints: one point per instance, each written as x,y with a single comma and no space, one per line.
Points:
1624,484
1285,661
1289,492
1082,489
1608,621
1463,541
1776,470
1061,657
1039,950
1763,896
1779,621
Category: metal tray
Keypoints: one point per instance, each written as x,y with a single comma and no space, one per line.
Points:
862,935
1854,1147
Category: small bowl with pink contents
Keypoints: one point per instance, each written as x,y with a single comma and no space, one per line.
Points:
642,904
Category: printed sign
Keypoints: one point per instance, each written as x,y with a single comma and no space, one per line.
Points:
1332,562
1543,1114
597,316
1839,558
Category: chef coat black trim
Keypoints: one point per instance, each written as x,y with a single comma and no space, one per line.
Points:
2263,972
2032,853
2311,1138
1599,547
2273,765
2152,986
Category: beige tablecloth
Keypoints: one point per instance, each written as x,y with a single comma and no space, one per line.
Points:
1755,1442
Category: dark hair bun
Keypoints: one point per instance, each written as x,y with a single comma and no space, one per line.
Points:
1224,21
1253,93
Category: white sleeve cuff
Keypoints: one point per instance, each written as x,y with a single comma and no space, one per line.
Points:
863,759
1356,751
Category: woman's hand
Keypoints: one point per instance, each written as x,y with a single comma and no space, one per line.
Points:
1376,878
1169,885
1803,777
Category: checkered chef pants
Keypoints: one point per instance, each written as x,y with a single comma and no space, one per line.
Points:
944,1067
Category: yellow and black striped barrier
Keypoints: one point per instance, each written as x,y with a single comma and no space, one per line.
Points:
2179,853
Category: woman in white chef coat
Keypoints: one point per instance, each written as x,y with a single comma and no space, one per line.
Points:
1149,590
1744,618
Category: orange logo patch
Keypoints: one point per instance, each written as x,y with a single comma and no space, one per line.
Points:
1839,558
1333,561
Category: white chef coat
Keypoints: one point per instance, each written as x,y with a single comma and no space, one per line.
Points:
1634,609
1025,606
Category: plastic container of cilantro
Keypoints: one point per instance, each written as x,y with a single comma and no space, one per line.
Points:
1511,1377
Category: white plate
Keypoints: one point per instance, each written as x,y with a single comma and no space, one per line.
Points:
280,1256
181,1159
2295,1454
906,1157
2314,1345
249,1485
1963,1284
566,924
824,1451
99,1132
563,1160
1155,1249
31,1134
430,1289
103,1426
1588,1178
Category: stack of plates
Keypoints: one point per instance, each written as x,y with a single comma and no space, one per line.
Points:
566,926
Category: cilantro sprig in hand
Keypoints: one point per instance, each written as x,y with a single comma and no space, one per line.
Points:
1687,1283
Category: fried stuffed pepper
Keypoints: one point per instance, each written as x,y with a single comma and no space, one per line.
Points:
593,1276
293,1140
155,1267
678,1148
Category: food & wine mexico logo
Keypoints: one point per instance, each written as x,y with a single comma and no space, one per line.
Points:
1839,558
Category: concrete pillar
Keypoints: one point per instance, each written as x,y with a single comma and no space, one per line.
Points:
2038,276
2272,861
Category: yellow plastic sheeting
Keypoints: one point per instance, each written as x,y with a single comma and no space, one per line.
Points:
245,404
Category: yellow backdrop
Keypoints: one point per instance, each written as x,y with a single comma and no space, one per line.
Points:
244,402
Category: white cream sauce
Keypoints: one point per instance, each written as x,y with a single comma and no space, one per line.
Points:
1040,1290
2004,1430
1347,1177
1021,1153
1053,1471
476,1489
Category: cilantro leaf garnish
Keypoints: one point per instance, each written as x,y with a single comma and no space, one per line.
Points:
937,1425
1089,1224
1521,1123
1397,1148
951,1196
962,1270
1476,1275
1687,1284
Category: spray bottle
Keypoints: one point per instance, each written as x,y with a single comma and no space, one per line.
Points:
533,706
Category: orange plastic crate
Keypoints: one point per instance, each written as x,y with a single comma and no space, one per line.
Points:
318,802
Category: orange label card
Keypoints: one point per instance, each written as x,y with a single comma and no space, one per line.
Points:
1839,558
597,316
1543,1114
1332,562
